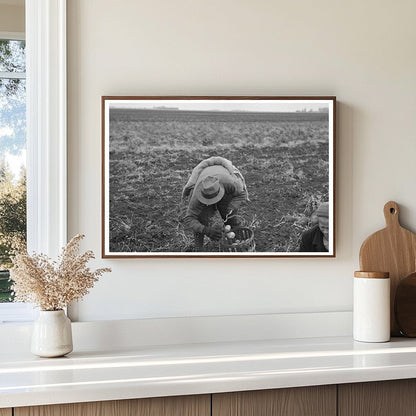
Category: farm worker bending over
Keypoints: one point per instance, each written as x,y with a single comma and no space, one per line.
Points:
215,185
316,238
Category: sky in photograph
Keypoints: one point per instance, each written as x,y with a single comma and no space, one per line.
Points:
226,105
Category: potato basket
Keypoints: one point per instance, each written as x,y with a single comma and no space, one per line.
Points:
243,241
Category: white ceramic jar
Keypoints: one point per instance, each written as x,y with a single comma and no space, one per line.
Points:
52,334
371,309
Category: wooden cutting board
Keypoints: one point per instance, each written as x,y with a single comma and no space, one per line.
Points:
393,250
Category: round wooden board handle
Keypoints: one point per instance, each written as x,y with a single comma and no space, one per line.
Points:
391,214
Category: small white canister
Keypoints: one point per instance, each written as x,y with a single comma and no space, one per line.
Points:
371,322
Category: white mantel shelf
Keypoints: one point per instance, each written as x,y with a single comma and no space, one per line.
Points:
151,371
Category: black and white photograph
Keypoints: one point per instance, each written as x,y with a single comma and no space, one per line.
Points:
218,176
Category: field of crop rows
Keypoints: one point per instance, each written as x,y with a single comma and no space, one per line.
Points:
283,157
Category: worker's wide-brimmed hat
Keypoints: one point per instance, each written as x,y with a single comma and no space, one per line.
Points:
209,190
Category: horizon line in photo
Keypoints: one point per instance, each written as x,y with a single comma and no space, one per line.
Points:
272,106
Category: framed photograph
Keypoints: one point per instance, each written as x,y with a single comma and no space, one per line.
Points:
218,176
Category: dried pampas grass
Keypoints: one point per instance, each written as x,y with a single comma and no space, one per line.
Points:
53,285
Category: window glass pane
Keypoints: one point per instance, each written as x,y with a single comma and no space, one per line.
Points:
13,121
12,167
12,56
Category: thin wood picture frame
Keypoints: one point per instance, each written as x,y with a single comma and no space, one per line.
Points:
179,171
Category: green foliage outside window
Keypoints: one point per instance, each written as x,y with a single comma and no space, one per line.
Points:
12,223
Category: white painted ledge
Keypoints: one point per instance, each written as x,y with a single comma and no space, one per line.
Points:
154,371
173,356
188,330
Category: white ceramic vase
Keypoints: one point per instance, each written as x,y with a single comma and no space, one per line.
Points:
52,334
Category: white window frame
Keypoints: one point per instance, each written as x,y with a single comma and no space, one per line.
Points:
46,134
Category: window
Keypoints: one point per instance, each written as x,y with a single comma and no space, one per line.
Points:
12,166
12,154
46,134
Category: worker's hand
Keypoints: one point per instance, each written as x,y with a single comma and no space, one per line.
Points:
213,233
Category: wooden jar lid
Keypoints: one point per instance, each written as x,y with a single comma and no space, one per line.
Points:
372,275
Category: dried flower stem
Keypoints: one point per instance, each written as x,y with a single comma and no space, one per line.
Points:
53,285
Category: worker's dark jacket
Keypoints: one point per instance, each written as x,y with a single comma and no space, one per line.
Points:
312,240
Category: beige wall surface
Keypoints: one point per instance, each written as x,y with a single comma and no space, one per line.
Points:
363,52
12,18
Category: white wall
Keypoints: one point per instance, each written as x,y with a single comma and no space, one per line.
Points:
12,18
361,51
